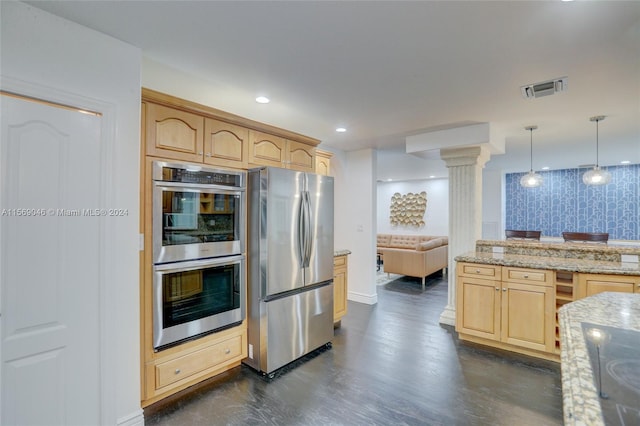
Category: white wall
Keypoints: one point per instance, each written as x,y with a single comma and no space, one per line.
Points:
492,204
45,51
356,218
436,216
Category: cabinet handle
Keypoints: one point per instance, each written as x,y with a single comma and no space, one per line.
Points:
227,351
477,271
526,275
208,154
497,289
200,153
504,289
177,371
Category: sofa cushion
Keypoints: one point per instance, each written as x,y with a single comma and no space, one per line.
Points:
404,241
383,240
428,245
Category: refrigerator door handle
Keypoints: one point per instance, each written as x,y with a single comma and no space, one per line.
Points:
308,234
302,243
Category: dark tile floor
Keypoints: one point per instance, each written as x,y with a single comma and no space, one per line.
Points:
391,364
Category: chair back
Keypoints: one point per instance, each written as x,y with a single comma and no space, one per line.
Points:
586,237
512,234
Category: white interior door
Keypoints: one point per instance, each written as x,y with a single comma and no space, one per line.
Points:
50,264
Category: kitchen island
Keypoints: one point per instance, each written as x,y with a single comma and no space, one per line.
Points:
508,292
606,313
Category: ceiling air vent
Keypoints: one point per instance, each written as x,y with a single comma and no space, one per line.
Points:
544,88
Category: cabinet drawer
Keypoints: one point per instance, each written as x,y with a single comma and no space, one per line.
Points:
530,276
185,366
339,261
479,270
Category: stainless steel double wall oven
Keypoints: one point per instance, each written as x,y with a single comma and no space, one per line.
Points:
199,219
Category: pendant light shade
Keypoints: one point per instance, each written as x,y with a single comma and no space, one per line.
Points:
531,179
596,176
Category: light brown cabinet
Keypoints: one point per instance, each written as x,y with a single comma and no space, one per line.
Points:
180,367
173,134
590,284
182,130
340,264
225,144
516,308
513,307
323,162
269,150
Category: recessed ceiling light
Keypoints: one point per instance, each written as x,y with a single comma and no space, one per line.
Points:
545,168
262,100
432,176
341,130
389,180
625,162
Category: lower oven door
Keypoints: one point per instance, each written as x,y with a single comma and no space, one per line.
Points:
194,298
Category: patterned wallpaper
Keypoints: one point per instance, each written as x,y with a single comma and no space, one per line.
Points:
565,203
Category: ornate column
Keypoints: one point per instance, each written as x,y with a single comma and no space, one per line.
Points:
465,210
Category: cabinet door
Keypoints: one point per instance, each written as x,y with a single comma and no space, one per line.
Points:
225,144
339,288
173,134
528,316
301,157
323,164
591,284
267,150
478,307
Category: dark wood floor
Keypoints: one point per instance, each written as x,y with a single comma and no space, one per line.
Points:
391,364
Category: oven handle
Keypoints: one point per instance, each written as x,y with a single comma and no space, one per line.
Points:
196,264
208,187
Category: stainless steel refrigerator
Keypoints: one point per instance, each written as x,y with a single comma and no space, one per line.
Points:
290,266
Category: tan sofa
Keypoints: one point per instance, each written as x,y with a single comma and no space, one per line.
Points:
413,255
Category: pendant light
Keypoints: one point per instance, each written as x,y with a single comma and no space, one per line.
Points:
596,176
531,179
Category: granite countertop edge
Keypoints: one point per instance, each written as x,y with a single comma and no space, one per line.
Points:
552,263
341,252
581,404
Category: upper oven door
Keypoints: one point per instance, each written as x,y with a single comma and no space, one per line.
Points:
192,221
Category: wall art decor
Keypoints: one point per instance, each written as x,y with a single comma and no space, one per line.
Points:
408,209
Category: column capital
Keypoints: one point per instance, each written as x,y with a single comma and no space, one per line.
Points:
467,156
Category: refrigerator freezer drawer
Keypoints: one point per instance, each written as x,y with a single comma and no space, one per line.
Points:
291,327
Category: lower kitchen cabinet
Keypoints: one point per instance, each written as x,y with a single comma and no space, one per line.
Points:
339,287
509,308
590,284
182,366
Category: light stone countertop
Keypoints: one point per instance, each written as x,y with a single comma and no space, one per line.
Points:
341,252
553,263
580,396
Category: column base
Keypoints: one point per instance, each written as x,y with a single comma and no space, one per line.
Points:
448,316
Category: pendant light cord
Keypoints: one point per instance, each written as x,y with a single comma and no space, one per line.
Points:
597,145
531,149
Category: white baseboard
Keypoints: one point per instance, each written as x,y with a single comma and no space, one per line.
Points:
133,419
369,299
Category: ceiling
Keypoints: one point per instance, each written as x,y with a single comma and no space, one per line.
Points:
385,70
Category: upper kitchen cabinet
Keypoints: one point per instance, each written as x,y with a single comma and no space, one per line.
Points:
301,157
172,133
323,162
177,129
269,150
225,144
